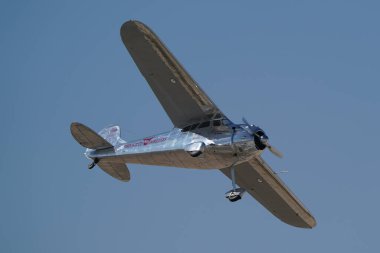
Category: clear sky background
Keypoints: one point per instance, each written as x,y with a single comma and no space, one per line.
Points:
305,71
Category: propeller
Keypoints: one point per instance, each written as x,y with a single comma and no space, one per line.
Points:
258,132
275,151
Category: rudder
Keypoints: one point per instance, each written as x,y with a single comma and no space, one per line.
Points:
112,135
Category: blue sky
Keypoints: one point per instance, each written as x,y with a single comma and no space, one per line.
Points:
305,71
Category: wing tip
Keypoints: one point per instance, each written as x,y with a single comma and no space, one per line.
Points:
74,126
309,223
132,25
312,223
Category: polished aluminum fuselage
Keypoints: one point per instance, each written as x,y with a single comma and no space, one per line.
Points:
222,148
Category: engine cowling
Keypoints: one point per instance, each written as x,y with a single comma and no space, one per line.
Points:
260,139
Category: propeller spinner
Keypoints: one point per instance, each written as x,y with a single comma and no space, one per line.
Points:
262,137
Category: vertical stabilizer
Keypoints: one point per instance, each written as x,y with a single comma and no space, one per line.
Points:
112,135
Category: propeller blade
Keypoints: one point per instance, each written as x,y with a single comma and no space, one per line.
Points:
274,151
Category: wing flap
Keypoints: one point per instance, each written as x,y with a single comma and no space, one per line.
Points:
258,179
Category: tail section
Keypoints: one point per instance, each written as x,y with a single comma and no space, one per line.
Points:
112,135
106,138
116,170
86,137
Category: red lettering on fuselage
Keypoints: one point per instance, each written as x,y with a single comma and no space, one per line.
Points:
146,141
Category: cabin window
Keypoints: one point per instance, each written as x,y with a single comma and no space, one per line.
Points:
226,122
217,123
185,129
204,124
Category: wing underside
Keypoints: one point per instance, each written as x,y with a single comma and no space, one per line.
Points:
258,179
181,97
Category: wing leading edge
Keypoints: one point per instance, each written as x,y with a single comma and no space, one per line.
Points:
258,179
181,97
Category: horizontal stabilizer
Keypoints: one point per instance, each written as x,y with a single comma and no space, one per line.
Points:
117,170
87,137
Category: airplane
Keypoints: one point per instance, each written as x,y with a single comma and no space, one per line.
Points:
202,137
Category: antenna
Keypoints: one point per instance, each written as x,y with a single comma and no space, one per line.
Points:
280,171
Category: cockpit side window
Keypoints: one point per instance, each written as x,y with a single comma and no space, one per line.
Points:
217,116
216,123
226,122
185,129
204,124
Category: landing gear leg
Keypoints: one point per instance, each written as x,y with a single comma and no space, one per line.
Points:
92,165
233,178
236,193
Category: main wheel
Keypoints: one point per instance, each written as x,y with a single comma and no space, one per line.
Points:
235,198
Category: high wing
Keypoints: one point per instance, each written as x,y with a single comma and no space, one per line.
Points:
259,180
181,97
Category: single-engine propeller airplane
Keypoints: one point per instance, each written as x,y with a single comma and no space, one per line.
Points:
202,137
